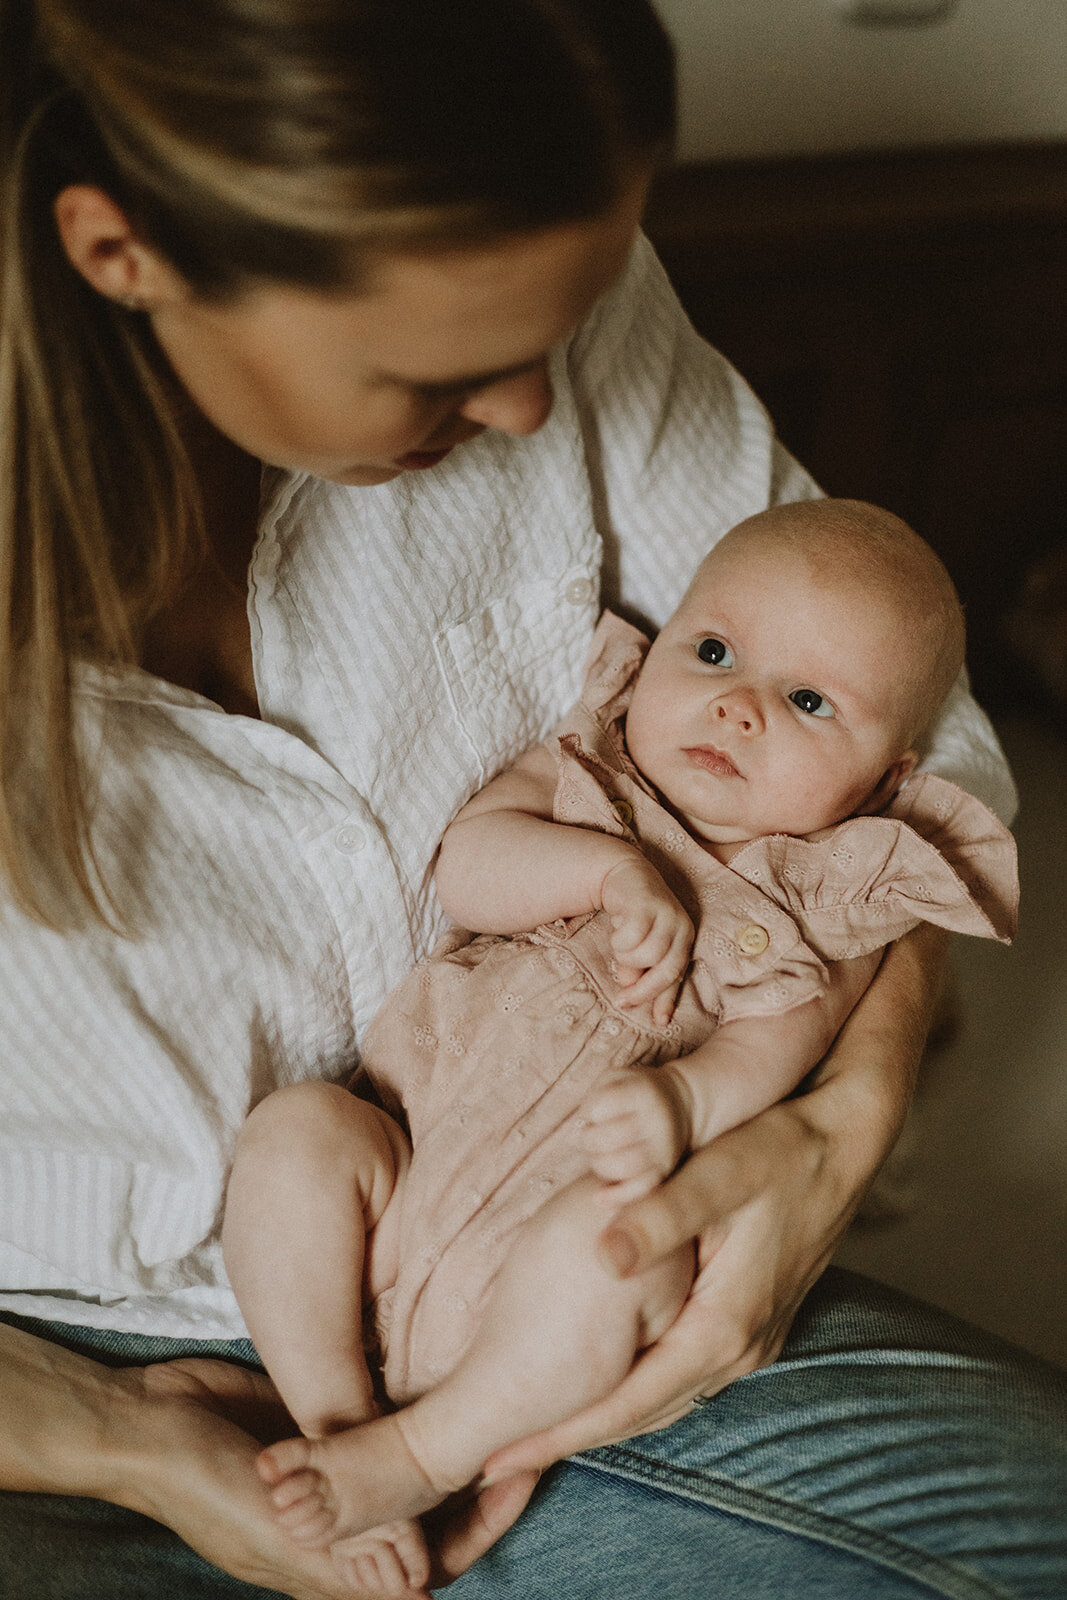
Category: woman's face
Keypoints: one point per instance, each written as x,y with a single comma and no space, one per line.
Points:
359,387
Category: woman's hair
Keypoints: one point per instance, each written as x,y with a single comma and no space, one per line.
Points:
248,141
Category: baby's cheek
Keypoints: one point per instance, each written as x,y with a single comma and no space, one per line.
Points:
817,797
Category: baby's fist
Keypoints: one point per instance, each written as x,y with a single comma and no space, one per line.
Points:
651,936
635,1128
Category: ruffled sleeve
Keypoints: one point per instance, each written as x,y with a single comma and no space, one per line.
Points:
594,728
615,658
937,856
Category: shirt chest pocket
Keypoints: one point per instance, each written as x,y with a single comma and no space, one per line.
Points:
514,667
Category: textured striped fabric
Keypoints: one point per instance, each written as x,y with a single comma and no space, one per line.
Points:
408,640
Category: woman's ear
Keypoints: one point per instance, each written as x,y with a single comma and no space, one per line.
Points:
100,244
888,784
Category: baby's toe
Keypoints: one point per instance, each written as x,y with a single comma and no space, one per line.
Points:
299,1488
279,1460
410,1546
390,1577
364,1573
308,1522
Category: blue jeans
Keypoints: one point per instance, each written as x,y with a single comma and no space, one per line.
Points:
892,1453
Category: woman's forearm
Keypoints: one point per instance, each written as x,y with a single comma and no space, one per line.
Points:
862,1089
170,1441
61,1419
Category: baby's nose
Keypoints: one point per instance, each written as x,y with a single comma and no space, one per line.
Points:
741,710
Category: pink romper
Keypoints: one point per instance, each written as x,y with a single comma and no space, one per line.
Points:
489,1047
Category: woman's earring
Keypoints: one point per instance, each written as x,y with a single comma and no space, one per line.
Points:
130,302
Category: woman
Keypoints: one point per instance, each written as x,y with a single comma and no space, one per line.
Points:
386,251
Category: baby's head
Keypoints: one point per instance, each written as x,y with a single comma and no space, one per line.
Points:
790,688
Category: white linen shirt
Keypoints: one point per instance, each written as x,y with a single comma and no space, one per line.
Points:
409,640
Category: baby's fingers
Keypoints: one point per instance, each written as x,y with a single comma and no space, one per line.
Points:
658,987
641,941
630,1165
662,979
621,1097
631,932
611,1196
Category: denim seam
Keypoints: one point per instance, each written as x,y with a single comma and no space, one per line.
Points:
949,1360
793,1517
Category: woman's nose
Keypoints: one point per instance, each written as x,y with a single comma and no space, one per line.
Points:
741,709
518,404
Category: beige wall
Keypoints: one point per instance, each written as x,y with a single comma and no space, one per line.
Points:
779,77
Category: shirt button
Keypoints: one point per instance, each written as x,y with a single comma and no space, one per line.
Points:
579,591
624,811
753,940
349,839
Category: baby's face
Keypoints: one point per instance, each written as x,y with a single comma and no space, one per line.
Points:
771,702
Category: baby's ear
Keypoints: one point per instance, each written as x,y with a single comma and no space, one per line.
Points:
888,784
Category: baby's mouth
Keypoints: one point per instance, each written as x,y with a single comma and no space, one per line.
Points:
711,760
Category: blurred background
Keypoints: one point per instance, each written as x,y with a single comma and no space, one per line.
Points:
869,218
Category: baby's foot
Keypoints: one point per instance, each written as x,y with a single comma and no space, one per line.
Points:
327,1489
387,1562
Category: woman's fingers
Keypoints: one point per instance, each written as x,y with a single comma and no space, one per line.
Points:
459,1534
660,1387
775,1152
752,1271
695,1199
245,1397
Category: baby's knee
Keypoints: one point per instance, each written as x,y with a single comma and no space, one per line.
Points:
298,1112
303,1124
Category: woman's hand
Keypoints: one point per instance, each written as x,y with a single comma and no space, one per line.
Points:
178,1442
204,1426
767,1203
186,1457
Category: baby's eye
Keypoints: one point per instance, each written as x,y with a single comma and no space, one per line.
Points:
715,653
812,703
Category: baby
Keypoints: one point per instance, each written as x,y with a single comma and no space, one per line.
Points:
681,853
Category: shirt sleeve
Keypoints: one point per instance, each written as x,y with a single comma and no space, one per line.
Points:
679,449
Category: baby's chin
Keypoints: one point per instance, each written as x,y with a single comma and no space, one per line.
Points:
721,839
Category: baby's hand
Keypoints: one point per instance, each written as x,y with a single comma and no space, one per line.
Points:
651,936
636,1128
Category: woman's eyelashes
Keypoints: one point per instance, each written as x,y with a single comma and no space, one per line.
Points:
812,703
714,653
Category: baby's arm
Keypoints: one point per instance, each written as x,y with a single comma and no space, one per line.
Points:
637,1125
506,866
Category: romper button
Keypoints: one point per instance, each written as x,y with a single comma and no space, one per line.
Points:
624,811
579,591
753,940
349,839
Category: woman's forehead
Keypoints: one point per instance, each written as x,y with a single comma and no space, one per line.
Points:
449,319
505,302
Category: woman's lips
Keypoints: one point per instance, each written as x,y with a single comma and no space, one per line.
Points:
711,760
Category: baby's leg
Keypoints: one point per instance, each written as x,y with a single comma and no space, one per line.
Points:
314,1172
560,1332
